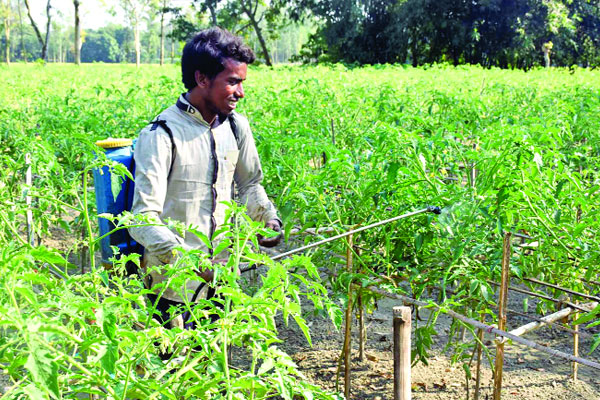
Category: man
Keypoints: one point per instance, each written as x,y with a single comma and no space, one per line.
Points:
188,159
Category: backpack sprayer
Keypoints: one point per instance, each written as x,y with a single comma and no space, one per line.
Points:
120,150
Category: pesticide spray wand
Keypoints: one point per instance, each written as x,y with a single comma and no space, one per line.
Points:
432,209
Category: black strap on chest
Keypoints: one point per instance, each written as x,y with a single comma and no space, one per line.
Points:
163,124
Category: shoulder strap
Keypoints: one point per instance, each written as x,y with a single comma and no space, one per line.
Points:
163,124
234,128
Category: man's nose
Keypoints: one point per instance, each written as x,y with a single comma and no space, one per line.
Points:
239,91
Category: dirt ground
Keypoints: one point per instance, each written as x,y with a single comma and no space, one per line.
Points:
528,374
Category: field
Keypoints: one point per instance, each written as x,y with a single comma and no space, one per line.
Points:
498,150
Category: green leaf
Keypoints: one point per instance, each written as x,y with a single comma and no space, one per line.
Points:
596,344
467,370
116,184
109,358
418,241
28,294
33,393
43,369
557,215
559,188
266,366
42,254
588,317
108,321
392,172
302,324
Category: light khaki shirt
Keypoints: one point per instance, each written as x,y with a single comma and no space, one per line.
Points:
177,183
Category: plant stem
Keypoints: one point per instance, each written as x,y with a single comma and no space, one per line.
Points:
88,225
126,380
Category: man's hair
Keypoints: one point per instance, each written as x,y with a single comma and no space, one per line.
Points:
207,51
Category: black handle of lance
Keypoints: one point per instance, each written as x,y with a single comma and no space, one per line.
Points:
431,209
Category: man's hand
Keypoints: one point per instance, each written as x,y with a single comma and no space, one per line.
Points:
275,225
207,274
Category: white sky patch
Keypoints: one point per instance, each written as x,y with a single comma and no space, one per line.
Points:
93,13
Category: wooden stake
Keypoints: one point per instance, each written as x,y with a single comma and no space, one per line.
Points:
402,330
361,328
574,365
478,368
502,315
348,332
83,254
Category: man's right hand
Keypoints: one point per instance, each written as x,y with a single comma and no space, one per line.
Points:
207,274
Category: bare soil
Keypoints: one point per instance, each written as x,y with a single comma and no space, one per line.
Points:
528,373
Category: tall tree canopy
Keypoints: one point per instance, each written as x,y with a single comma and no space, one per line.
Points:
505,33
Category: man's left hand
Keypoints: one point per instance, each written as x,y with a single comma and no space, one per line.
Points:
275,225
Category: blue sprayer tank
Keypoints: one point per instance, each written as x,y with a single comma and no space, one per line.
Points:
120,150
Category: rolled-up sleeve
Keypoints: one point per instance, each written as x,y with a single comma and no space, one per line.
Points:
248,177
153,157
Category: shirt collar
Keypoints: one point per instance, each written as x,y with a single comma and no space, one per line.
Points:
184,105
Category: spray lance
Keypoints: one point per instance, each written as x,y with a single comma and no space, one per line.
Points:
429,209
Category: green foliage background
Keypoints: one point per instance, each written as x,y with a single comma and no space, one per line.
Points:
499,150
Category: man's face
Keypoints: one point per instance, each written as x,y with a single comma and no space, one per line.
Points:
224,90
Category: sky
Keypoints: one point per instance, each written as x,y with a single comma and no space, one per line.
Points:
93,13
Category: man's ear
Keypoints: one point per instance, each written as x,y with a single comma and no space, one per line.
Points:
201,79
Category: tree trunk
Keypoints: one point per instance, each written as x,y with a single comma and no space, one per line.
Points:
414,53
252,17
162,32
35,28
45,45
546,56
213,13
77,33
23,55
172,50
7,32
136,40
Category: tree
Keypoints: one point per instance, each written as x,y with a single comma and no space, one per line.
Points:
21,30
162,8
43,42
77,42
163,11
134,10
6,14
353,30
265,18
100,46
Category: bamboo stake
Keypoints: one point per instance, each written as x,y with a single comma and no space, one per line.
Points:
478,368
564,313
541,296
553,324
348,332
402,328
29,213
361,328
83,253
573,292
487,328
502,316
574,365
